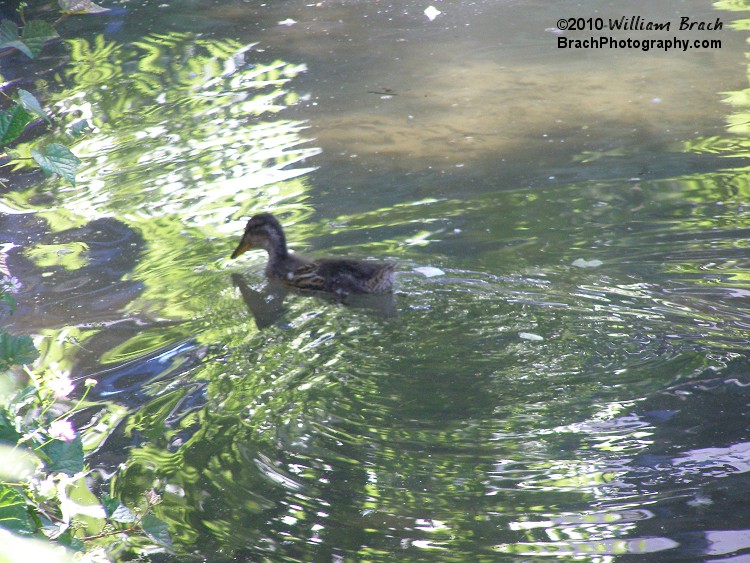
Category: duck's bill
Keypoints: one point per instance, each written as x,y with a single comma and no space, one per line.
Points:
241,249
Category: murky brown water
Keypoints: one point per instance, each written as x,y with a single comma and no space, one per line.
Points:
484,83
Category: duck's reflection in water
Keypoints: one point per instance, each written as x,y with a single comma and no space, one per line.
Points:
267,305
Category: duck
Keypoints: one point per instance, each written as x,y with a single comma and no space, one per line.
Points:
338,276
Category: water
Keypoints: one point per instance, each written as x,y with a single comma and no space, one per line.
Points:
567,382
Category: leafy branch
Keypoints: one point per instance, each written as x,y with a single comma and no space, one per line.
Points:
140,520
29,39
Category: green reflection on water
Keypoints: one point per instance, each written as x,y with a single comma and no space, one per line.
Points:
440,428
186,145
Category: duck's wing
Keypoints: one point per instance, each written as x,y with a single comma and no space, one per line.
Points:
307,276
350,276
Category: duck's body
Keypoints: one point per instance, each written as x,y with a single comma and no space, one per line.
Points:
333,275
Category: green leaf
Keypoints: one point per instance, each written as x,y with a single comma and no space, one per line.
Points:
8,432
8,298
64,457
21,46
157,530
67,539
25,397
8,31
16,350
123,514
13,514
36,33
57,159
12,123
31,104
9,38
109,504
115,510
80,7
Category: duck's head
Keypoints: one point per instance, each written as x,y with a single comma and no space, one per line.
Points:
262,231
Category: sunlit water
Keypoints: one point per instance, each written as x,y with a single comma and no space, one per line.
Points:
563,370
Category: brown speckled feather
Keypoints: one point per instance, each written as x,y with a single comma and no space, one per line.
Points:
344,276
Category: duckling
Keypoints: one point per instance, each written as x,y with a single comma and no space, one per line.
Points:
332,275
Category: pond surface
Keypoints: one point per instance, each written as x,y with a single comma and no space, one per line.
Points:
563,372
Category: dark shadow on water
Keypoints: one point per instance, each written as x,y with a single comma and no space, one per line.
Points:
53,293
267,306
